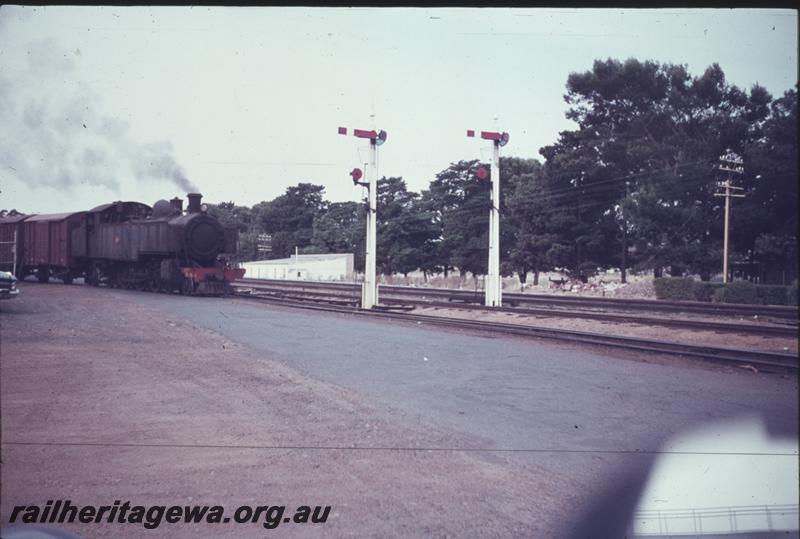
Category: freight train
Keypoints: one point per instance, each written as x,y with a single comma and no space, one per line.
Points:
127,245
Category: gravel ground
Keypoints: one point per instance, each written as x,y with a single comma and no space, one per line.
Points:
115,401
664,333
110,395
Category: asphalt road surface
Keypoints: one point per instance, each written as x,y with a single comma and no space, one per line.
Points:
508,393
405,430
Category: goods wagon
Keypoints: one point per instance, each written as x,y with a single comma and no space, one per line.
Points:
12,241
46,246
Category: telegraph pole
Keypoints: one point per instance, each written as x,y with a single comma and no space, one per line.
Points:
493,288
369,288
14,254
623,276
732,164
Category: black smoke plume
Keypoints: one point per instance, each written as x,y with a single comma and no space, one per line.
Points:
54,133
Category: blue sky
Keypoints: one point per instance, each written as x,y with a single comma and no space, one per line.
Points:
244,102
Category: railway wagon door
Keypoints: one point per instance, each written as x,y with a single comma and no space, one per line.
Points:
7,249
12,243
36,254
40,250
26,254
58,244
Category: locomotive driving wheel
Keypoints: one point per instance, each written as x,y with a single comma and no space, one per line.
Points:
93,277
187,287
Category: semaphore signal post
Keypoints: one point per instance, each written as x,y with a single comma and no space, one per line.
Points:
493,287
369,288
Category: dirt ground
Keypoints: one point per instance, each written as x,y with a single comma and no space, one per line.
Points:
105,401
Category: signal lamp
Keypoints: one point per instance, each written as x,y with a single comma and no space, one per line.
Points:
503,139
381,138
481,173
356,175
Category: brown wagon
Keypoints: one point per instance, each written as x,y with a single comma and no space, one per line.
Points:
47,249
12,243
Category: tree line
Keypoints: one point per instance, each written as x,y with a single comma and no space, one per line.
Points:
632,187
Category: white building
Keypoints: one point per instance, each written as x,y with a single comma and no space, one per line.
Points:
327,267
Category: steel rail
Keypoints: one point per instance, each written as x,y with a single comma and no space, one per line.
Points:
772,361
700,325
695,307
703,325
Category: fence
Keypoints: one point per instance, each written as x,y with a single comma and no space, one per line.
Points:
715,520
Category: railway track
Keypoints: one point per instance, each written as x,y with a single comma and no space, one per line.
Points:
345,293
767,361
517,299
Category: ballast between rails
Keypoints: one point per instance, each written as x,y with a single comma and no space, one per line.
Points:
766,361
516,299
342,294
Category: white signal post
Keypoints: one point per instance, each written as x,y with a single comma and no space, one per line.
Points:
369,288
494,288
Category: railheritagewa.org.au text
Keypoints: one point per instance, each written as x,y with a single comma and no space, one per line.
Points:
153,516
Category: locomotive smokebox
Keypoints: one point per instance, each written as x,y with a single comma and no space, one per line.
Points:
176,205
194,202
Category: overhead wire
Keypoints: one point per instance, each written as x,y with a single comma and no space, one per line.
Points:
607,186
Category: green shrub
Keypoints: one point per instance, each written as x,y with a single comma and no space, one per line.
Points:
737,292
674,288
773,294
705,291
678,288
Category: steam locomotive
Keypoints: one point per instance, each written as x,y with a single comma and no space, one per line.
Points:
127,245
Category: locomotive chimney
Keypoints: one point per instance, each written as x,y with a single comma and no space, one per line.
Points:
176,205
194,202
